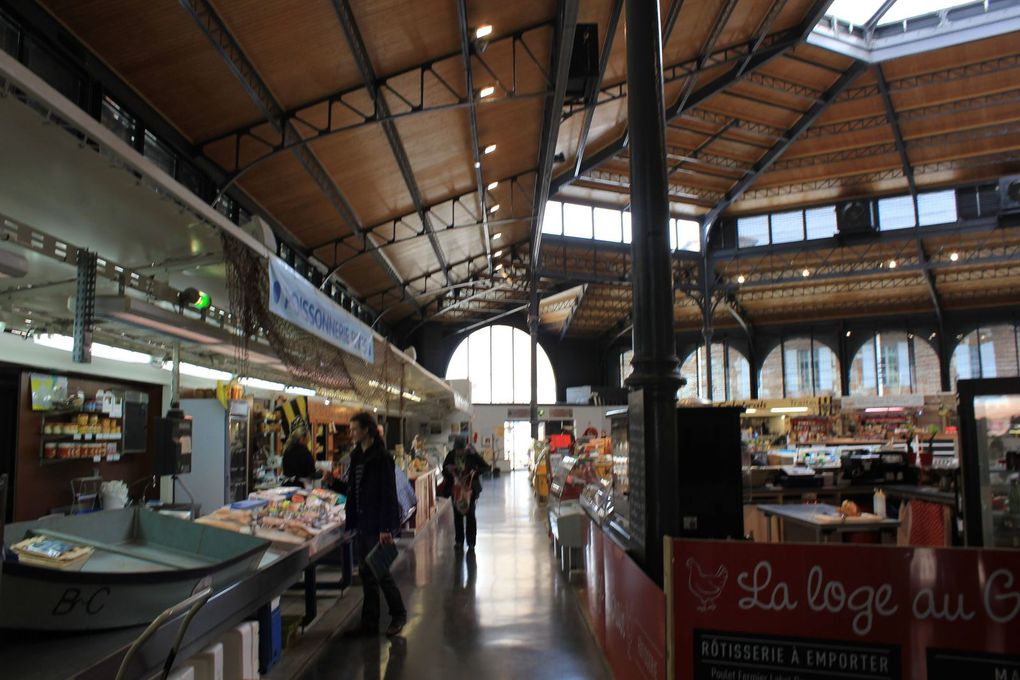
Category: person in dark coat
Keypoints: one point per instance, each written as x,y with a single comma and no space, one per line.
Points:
298,462
374,514
464,466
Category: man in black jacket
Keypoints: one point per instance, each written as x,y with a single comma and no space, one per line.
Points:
462,467
374,514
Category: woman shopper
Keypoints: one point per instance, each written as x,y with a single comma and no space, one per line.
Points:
374,514
462,472
298,462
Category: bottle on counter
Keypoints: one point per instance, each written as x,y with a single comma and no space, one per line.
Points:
879,503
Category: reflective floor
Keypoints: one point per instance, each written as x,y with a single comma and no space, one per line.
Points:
505,612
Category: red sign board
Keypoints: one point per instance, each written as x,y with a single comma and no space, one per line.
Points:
635,607
742,611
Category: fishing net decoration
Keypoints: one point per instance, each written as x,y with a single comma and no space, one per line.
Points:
307,357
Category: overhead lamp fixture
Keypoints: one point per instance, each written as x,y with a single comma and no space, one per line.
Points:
492,185
66,344
483,31
806,273
497,253
12,265
487,91
884,409
750,411
892,264
497,235
789,409
489,149
741,279
494,208
196,371
300,391
849,333
498,267
953,257
261,384
146,315
477,165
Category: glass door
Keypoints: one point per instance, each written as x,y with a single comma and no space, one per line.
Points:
239,441
990,433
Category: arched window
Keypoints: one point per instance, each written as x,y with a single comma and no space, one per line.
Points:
988,352
731,374
799,367
497,361
895,363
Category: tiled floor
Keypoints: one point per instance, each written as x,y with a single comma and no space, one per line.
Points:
505,612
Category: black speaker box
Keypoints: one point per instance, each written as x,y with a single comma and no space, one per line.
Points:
854,218
584,63
710,488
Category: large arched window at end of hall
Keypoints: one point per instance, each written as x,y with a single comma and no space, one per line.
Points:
895,363
731,374
497,361
988,352
799,367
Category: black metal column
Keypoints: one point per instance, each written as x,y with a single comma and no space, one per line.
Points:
84,307
533,330
653,454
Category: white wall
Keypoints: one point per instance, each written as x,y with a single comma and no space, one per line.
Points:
489,418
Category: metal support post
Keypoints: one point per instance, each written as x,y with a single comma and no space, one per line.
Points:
84,307
533,330
655,380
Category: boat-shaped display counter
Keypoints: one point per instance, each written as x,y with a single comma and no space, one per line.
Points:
141,562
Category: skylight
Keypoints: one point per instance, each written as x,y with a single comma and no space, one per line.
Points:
859,28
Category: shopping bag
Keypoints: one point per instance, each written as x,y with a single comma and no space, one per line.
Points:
380,558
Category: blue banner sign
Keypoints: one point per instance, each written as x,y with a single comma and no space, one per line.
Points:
294,298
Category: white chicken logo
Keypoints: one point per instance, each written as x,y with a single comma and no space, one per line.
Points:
705,587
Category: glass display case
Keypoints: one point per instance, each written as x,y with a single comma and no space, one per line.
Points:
990,440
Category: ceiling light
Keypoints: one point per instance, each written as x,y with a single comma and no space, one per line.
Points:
327,402
489,149
497,253
99,350
477,165
497,235
789,409
483,31
494,208
492,185
486,92
849,333
741,279
806,273
196,371
751,410
302,391
498,267
260,384
954,256
892,264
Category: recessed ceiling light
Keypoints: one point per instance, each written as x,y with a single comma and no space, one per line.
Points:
487,91
477,165
497,235
492,185
483,31
741,279
892,264
806,273
494,208
849,333
497,253
489,149
498,266
954,256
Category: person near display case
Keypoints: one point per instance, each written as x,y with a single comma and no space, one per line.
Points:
298,462
462,479
373,513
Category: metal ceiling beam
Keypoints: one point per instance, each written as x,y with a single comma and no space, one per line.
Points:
592,103
491,319
573,311
809,117
219,36
368,76
465,51
872,22
562,47
706,50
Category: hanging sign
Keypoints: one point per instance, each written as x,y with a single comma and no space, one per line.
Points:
753,610
294,298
